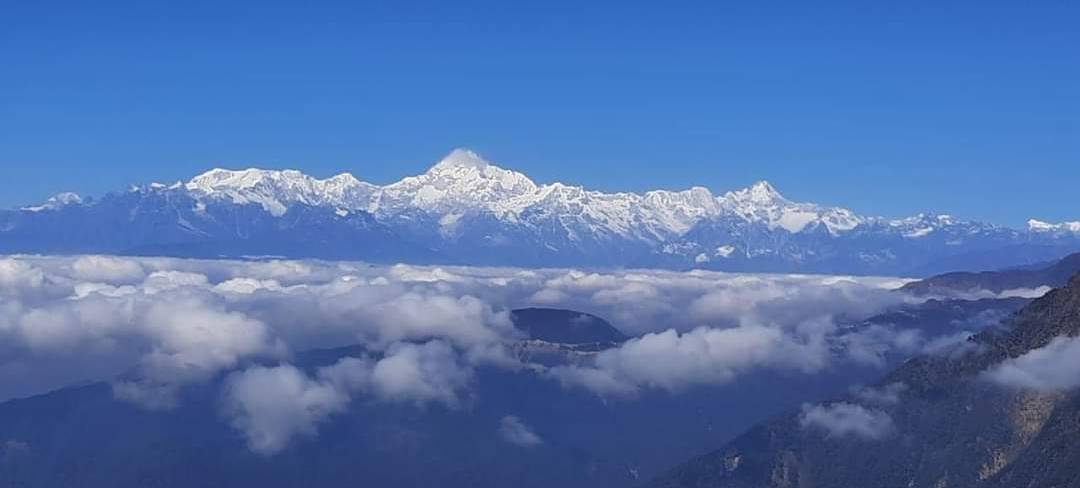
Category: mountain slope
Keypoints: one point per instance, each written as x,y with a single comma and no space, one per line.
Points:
467,210
936,421
1053,275
153,222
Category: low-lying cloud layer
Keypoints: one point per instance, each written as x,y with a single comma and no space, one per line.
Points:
1053,367
840,420
152,326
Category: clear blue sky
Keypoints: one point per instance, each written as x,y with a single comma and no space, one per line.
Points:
888,108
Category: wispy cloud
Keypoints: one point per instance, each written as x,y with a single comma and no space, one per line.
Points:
1053,367
271,405
513,430
841,420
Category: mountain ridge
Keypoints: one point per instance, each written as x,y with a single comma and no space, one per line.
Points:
1051,275
465,209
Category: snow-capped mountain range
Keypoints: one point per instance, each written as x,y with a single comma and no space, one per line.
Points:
467,210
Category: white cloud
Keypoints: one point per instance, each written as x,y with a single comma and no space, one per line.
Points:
159,324
980,293
348,374
165,323
1055,366
841,420
650,300
273,405
722,325
160,281
177,325
107,269
430,372
1024,292
871,344
514,431
24,282
247,286
16,274
704,356
602,382
191,341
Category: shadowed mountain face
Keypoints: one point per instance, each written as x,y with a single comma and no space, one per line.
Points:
85,437
998,412
935,318
1053,275
155,223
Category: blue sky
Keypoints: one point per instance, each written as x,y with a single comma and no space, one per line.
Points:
888,108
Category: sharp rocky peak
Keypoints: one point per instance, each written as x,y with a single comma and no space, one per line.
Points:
761,192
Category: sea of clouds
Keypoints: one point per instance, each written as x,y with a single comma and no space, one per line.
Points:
152,326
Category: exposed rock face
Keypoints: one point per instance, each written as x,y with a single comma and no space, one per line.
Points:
950,424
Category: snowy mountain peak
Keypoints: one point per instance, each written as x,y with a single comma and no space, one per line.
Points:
761,192
697,196
219,179
761,202
275,190
461,182
466,170
66,198
57,201
343,179
227,179
1040,226
467,206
